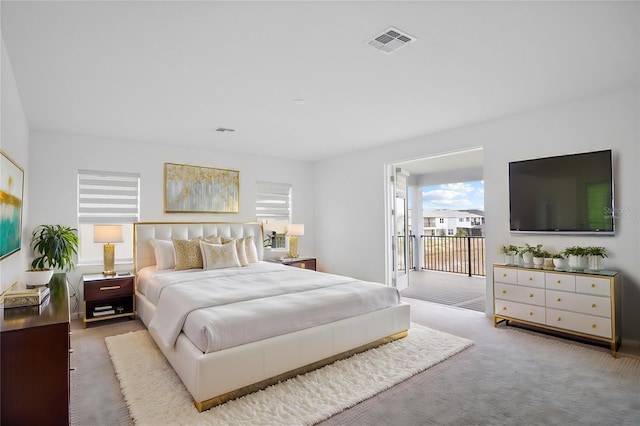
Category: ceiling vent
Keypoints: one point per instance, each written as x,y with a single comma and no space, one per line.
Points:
391,40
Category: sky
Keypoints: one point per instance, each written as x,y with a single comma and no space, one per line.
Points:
454,196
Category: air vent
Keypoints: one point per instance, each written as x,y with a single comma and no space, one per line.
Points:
224,129
391,40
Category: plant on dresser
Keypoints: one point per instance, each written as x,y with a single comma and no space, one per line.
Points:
578,304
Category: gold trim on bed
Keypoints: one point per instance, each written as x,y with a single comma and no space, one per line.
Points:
210,403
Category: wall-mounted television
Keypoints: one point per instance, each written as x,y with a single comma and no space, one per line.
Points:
567,194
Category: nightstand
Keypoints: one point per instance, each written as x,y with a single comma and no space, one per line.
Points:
108,297
300,262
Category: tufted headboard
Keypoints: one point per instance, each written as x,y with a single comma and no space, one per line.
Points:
144,232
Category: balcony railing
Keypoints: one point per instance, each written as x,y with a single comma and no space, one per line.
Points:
463,255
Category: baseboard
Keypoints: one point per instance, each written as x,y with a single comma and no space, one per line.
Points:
630,348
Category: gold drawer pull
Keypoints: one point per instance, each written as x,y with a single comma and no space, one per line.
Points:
530,278
113,287
530,313
559,319
593,285
593,326
504,275
504,291
558,281
303,266
559,300
504,308
531,295
593,306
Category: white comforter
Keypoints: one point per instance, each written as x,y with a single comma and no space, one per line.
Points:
223,308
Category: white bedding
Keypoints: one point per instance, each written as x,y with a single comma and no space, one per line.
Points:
222,308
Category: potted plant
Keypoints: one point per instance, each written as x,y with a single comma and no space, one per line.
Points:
56,246
558,260
527,253
595,256
509,251
538,255
577,259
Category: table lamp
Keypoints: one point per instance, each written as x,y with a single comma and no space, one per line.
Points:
294,231
108,234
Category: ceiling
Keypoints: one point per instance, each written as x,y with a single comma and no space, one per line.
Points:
173,72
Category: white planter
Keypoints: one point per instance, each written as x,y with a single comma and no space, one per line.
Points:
559,263
34,278
548,262
577,263
508,259
594,262
538,261
527,258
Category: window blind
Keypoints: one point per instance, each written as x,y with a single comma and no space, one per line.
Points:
273,201
108,197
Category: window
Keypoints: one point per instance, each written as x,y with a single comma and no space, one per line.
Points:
441,220
107,198
273,207
450,231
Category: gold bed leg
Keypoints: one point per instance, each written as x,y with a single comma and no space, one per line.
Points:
218,400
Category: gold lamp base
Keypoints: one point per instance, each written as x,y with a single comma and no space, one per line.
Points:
293,247
109,259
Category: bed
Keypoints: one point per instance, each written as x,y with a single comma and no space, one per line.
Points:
232,328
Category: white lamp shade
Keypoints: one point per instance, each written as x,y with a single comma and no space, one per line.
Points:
107,234
295,229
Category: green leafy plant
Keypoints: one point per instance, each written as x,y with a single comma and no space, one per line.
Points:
529,249
509,250
56,246
596,251
557,256
575,251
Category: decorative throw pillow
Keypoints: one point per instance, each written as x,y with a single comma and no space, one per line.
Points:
188,254
213,239
218,256
165,256
250,250
239,243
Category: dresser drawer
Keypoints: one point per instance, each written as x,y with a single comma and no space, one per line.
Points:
563,282
531,278
520,311
583,303
580,323
594,285
505,275
518,293
104,289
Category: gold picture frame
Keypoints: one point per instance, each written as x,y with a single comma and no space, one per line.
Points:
197,189
11,195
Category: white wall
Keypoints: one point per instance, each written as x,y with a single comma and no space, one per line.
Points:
350,215
14,141
56,158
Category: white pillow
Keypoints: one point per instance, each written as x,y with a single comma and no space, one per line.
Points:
165,257
250,250
218,256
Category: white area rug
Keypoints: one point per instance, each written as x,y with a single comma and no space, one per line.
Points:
155,395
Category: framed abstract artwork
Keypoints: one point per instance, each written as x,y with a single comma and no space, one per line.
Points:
195,189
11,193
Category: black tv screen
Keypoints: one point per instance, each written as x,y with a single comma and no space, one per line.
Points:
563,194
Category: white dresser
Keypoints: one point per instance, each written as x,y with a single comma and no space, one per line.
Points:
585,304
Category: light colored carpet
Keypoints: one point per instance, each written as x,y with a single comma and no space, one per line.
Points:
155,395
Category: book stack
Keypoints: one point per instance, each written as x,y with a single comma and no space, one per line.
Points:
103,311
25,297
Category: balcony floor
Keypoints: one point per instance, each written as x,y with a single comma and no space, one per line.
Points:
448,288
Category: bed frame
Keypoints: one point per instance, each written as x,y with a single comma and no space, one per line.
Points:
217,377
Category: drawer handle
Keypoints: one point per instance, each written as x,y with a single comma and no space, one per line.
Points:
70,351
530,278
504,308
530,294
593,326
593,285
559,319
504,291
113,287
303,266
504,275
530,313
593,306
559,300
558,281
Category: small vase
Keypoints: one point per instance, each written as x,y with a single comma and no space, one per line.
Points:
558,263
538,261
577,263
508,259
548,263
594,262
527,258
